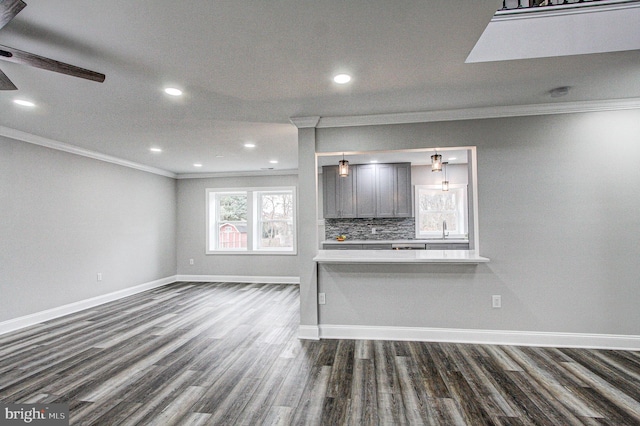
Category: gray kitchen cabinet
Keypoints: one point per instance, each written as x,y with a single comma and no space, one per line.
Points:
403,207
392,190
448,246
385,190
365,246
338,193
366,190
376,246
338,246
370,191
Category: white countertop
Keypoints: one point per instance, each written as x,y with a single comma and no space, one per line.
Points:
423,241
399,256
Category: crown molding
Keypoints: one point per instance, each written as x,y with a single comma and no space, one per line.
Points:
479,113
305,122
347,121
60,146
285,172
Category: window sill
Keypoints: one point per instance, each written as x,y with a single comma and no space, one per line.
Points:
256,252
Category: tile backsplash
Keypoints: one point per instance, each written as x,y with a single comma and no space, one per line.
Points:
360,229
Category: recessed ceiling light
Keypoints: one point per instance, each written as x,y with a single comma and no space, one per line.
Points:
197,164
273,161
373,161
452,158
342,78
23,102
155,149
173,91
249,145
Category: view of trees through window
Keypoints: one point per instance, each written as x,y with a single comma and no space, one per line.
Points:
276,219
435,206
251,220
233,208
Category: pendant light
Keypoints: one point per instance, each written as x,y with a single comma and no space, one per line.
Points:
343,167
445,182
436,162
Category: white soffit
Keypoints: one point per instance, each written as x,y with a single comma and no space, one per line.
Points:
561,30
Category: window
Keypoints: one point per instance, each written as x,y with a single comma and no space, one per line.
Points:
275,220
435,206
251,220
230,209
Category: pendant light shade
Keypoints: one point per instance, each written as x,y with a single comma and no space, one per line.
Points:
343,167
436,162
445,182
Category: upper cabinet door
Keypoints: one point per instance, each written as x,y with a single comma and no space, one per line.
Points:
330,196
403,193
348,193
394,190
385,190
338,193
366,190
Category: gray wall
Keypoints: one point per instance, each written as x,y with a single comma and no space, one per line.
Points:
559,217
192,232
64,218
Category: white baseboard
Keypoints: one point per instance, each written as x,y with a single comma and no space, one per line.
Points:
491,337
239,279
49,314
308,332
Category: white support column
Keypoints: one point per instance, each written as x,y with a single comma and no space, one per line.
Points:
307,226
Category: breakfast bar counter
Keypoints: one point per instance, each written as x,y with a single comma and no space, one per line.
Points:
399,256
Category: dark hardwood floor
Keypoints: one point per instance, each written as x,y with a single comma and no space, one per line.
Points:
227,354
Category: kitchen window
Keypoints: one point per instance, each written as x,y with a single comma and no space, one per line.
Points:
434,207
246,220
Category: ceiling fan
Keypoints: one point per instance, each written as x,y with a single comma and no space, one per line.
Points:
8,10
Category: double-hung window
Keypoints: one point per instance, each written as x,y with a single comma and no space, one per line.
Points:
248,220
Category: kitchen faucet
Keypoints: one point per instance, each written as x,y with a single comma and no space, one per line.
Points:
444,229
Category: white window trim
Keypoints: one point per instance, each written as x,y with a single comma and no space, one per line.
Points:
252,222
464,212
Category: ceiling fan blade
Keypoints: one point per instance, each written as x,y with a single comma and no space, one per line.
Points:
5,83
9,9
19,57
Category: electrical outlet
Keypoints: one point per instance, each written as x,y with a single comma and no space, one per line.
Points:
374,231
496,301
190,261
322,299
99,276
